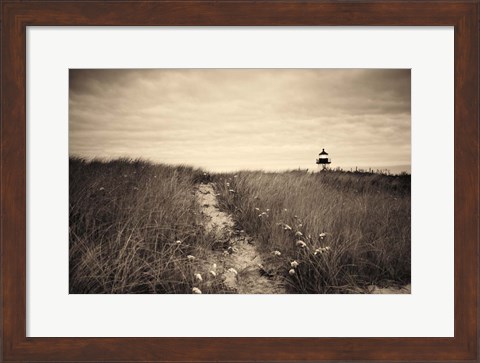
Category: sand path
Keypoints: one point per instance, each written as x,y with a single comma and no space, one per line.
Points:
239,252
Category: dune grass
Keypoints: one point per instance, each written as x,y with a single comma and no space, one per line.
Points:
345,230
132,226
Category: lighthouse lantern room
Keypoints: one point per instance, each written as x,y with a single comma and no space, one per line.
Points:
323,159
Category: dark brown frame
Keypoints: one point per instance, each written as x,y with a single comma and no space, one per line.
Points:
17,15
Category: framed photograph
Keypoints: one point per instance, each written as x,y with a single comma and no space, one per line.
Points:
240,181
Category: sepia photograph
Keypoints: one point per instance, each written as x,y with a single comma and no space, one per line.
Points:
239,181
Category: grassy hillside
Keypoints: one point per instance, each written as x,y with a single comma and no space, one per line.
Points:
345,230
132,226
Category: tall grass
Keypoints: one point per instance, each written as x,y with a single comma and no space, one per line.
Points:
345,230
126,217
133,224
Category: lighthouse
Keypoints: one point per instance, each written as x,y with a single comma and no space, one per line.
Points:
323,159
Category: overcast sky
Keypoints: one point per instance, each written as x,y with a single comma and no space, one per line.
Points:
243,119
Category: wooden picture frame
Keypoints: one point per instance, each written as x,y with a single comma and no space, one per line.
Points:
18,15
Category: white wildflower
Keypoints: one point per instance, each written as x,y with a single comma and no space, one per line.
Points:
214,266
301,244
190,257
286,227
231,190
233,271
298,234
196,290
178,242
291,272
321,250
102,188
257,209
322,235
294,264
277,253
213,273
199,277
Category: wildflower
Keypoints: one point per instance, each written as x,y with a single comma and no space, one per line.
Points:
321,250
228,184
301,244
154,176
190,257
214,266
268,210
294,264
225,253
233,271
286,227
199,277
213,273
285,210
291,272
125,175
295,216
298,234
102,188
322,235
257,209
276,253
178,242
135,188
196,290
231,190
300,225
235,176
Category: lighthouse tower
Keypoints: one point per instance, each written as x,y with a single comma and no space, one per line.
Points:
323,159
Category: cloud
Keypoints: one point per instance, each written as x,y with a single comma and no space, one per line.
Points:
231,119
